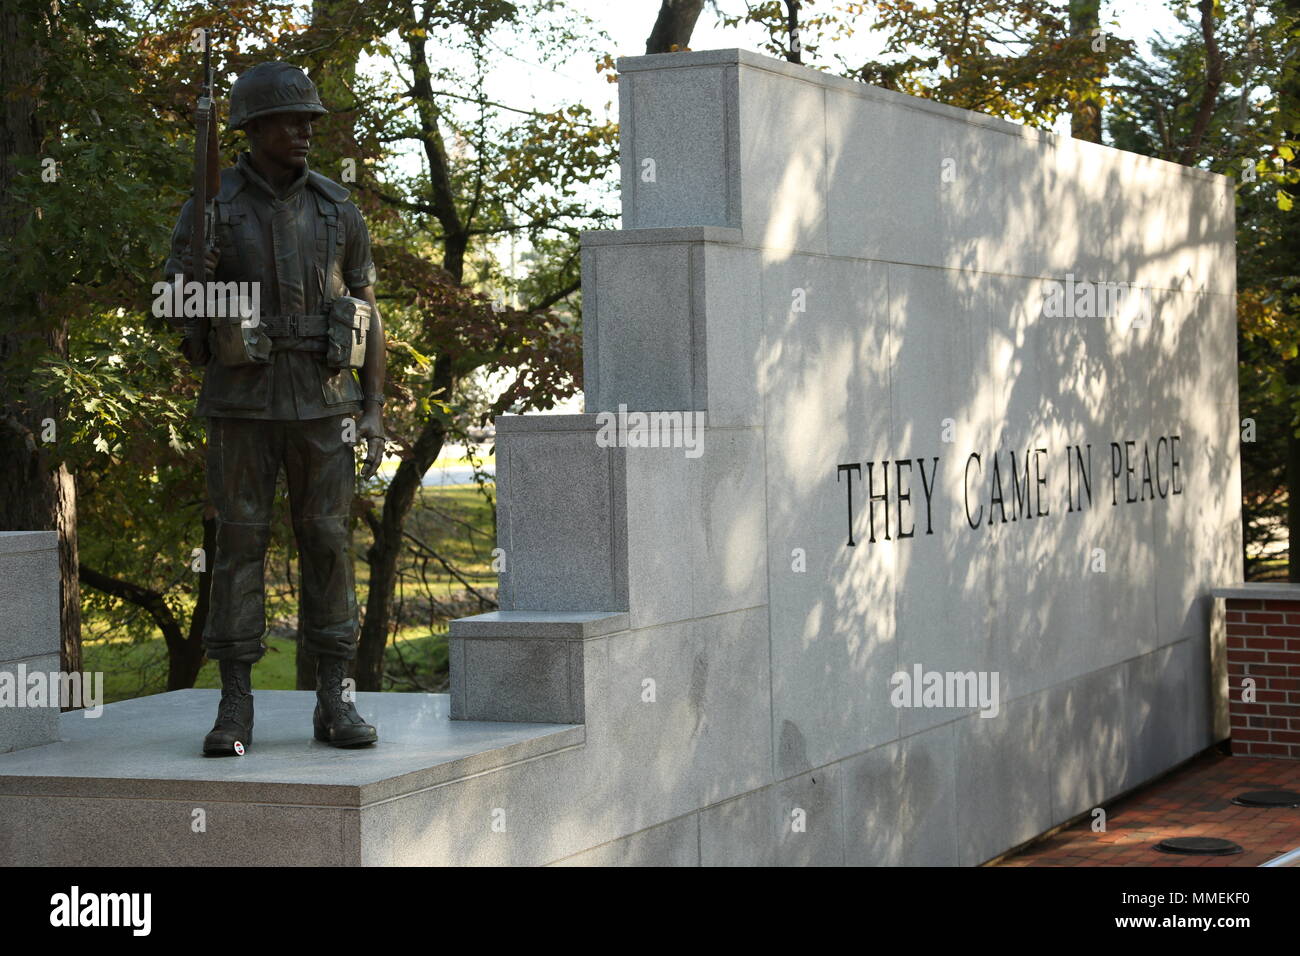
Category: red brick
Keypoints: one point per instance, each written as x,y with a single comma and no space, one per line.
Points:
1272,697
1286,737
1274,630
1278,750
1243,604
1250,735
1247,656
1264,617
1284,683
1268,643
1234,641
1248,630
1270,670
1274,710
1272,605
1293,618
1269,723
1283,657
1242,707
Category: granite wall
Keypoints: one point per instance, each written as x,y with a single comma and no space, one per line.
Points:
861,293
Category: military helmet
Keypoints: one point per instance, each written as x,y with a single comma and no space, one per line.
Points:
272,88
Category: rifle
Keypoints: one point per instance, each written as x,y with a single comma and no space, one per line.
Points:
207,183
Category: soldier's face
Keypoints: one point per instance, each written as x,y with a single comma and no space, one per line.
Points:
283,138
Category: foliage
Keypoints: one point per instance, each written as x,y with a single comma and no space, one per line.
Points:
1018,61
117,95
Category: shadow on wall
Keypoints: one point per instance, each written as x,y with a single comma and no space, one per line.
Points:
945,327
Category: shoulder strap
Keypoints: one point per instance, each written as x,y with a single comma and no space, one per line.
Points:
330,211
231,183
232,230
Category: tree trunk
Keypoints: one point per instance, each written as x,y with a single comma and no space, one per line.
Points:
387,547
794,48
386,550
184,651
1085,122
1292,504
36,494
1213,84
674,26
1289,100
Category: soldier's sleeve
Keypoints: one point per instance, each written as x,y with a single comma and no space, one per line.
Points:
358,267
180,241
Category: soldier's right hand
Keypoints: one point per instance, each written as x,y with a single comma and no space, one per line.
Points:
210,260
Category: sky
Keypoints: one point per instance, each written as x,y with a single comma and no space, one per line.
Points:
523,81
520,82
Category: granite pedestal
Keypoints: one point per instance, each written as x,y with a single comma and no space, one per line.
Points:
132,788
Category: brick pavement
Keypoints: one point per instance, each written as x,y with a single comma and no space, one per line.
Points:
1195,800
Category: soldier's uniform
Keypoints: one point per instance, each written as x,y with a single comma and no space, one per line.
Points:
272,401
287,413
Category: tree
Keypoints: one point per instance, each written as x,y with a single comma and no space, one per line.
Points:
674,26
119,91
1222,95
1085,23
1021,61
37,491
502,179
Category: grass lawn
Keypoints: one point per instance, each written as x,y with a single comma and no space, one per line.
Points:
455,522
140,669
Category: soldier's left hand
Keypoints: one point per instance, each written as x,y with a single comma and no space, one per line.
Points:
371,429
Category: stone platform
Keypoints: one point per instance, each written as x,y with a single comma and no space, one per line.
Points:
131,787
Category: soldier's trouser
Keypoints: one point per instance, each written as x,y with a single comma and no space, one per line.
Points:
244,457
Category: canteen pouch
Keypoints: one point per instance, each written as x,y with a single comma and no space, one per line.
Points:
349,328
233,344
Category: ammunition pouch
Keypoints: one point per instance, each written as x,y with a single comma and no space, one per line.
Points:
349,330
233,344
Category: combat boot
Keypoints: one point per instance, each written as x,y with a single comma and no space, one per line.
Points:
233,730
336,720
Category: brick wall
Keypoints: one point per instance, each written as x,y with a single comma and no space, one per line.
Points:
1263,638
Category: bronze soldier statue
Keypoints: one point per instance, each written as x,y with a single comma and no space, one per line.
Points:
280,390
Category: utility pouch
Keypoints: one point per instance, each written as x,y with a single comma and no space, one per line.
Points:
349,328
234,344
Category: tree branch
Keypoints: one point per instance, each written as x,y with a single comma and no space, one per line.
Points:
1213,82
149,601
450,570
